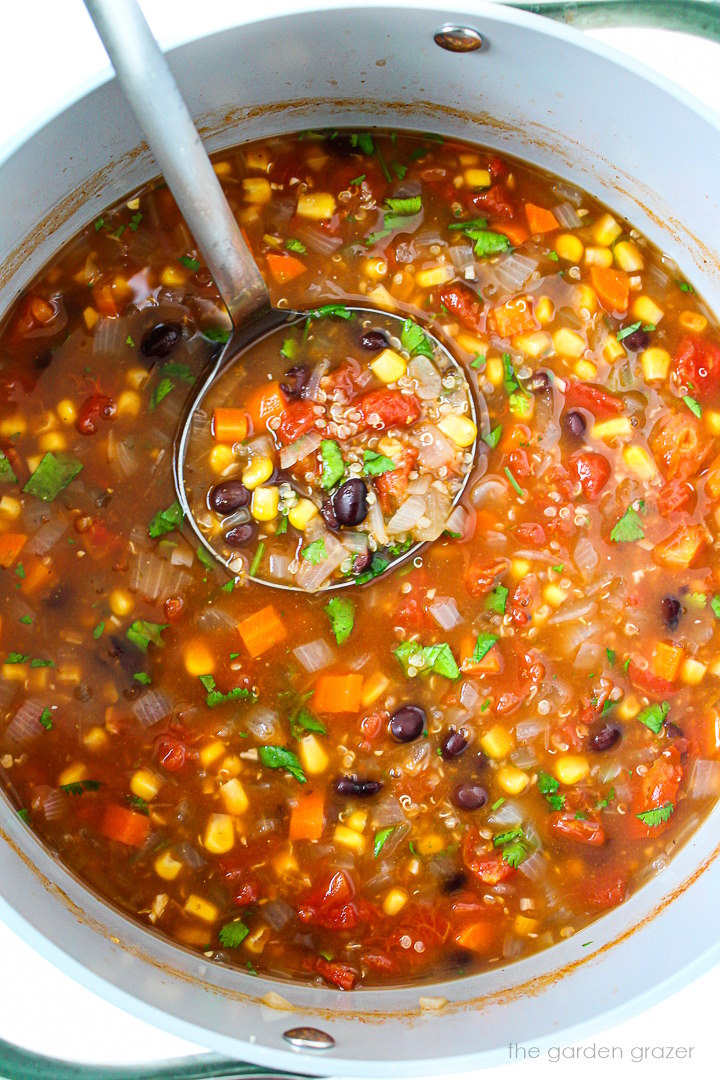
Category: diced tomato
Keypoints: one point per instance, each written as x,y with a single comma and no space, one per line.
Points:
95,408
599,402
489,867
244,886
696,365
465,304
655,789
170,752
649,683
531,532
581,830
333,906
297,419
680,445
677,496
519,463
592,471
495,202
480,579
392,407
339,974
603,887
391,486
525,599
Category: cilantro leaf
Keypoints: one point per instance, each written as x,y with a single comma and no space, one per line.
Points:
143,634
79,787
166,520
189,263
7,475
487,242
494,437
45,718
412,205
510,383
628,528
326,311
548,786
142,677
377,464
611,655
278,757
381,838
514,845
341,612
656,816
437,659
216,697
232,934
333,466
715,605
694,406
303,721
315,553
628,330
653,716
414,340
483,645
216,333
496,599
292,244
52,475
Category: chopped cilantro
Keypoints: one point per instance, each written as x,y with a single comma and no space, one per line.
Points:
628,330
160,392
26,619
79,787
216,697
473,223
20,570
554,256
39,662
381,838
715,605
257,559
483,645
653,715
17,658
135,221
303,721
289,349
548,786
98,223
514,482
510,383
514,845
98,631
326,311
52,475
494,437
478,362
24,815
487,242
143,634
628,528
408,206
142,677
333,466
232,934
414,340
611,655
7,475
438,659
377,464
217,333
205,558
341,612
694,406
657,816
315,553
684,286
227,587
139,804
278,757
295,245
45,718
496,599
356,180
166,520
190,264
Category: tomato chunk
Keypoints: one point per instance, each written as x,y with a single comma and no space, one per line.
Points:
382,409
465,304
592,471
581,830
696,365
296,420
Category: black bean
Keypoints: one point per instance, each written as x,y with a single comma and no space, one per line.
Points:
469,796
637,340
361,563
407,723
374,340
298,375
329,516
361,789
350,502
229,496
454,882
453,745
240,535
605,737
342,145
574,423
671,611
672,730
160,340
539,380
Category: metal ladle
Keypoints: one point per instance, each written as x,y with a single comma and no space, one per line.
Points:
158,105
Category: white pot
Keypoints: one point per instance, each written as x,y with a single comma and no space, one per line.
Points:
543,92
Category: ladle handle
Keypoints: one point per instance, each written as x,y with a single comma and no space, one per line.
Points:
158,105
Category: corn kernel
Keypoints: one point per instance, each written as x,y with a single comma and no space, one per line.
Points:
544,310
434,275
628,708
430,844
655,363
612,349
248,215
265,502
712,421
585,300
598,256
497,742
14,672
569,247
95,739
234,796
468,159
381,298
617,428
285,864
586,370
692,321
568,343
10,507
221,458
512,780
692,671
554,595
390,447
628,257
388,366
222,168
230,766
349,838
471,344
66,411
257,940
316,161
301,514
495,371
256,190
145,784
90,317
639,462
535,345
200,908
477,178
210,753
357,821
73,774
313,756
198,657
523,924
373,687
257,157
571,768
166,866
460,429
395,901
128,403
375,269
121,602
136,377
317,205
647,310
219,834
257,472
13,425
606,230
519,568
172,277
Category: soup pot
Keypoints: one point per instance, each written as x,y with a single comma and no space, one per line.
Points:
527,86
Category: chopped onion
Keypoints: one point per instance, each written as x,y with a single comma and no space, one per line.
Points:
182,555
317,239
420,484
534,866
437,510
355,541
586,557
469,694
120,453
570,612
438,452
524,757
314,656
512,272
263,722
461,256
418,758
278,566
527,730
25,724
407,516
214,618
427,377
311,577
567,215
457,523
359,662
491,489
568,193
7,692
155,578
376,523
152,707
588,655
296,451
445,613
310,390
512,946
277,913
609,771
262,446
54,804
507,814
46,537
110,335
189,855
704,779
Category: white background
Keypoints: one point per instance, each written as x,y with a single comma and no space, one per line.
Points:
47,47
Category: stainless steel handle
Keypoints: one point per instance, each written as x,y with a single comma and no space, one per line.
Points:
155,99
699,17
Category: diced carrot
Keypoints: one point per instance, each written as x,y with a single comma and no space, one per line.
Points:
39,575
681,549
230,425
11,544
516,233
491,663
104,299
262,631
338,694
612,287
667,660
540,220
264,403
478,937
125,826
514,436
284,267
514,317
307,816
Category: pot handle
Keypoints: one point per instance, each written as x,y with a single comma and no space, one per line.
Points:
699,17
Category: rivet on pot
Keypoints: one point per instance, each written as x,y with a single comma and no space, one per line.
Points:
308,1038
459,39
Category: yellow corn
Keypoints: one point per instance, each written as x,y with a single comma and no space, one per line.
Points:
90,317
318,206
219,834
585,370
639,462
434,275
568,343
73,774
535,345
222,168
265,502
460,429
512,780
585,300
477,178
349,838
655,363
388,366
571,768
166,866
257,157
471,344
519,568
257,472
200,908
210,752
301,514
221,458
313,756
628,708
554,595
495,371
617,428
598,256
234,796
606,230
612,349
628,257
523,924
712,421
256,190
357,821
375,269
172,276
430,844
52,442
692,671
373,687
645,309
128,403
257,940
497,742
394,901
10,507
121,602
544,310
95,739
569,247
692,321
145,784
199,658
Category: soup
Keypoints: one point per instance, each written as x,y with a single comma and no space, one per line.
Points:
448,765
